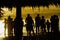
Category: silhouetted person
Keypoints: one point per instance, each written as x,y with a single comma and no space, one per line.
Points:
52,22
21,27
29,24
5,26
37,23
18,29
48,25
9,21
55,23
43,26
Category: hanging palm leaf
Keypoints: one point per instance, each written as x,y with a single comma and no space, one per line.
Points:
1,14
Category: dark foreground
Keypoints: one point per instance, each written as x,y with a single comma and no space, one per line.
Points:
45,36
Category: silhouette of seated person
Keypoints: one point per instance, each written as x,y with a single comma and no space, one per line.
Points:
37,23
43,26
48,24
29,24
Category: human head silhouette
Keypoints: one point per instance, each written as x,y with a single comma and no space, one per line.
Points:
42,17
47,20
9,17
37,14
28,15
55,16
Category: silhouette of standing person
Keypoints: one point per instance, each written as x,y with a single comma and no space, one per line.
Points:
5,26
22,23
56,23
37,23
9,25
43,26
18,29
29,24
52,22
48,25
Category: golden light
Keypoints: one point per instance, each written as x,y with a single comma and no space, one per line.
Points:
7,13
1,28
47,12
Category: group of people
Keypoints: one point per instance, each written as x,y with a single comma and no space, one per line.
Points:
9,26
40,22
